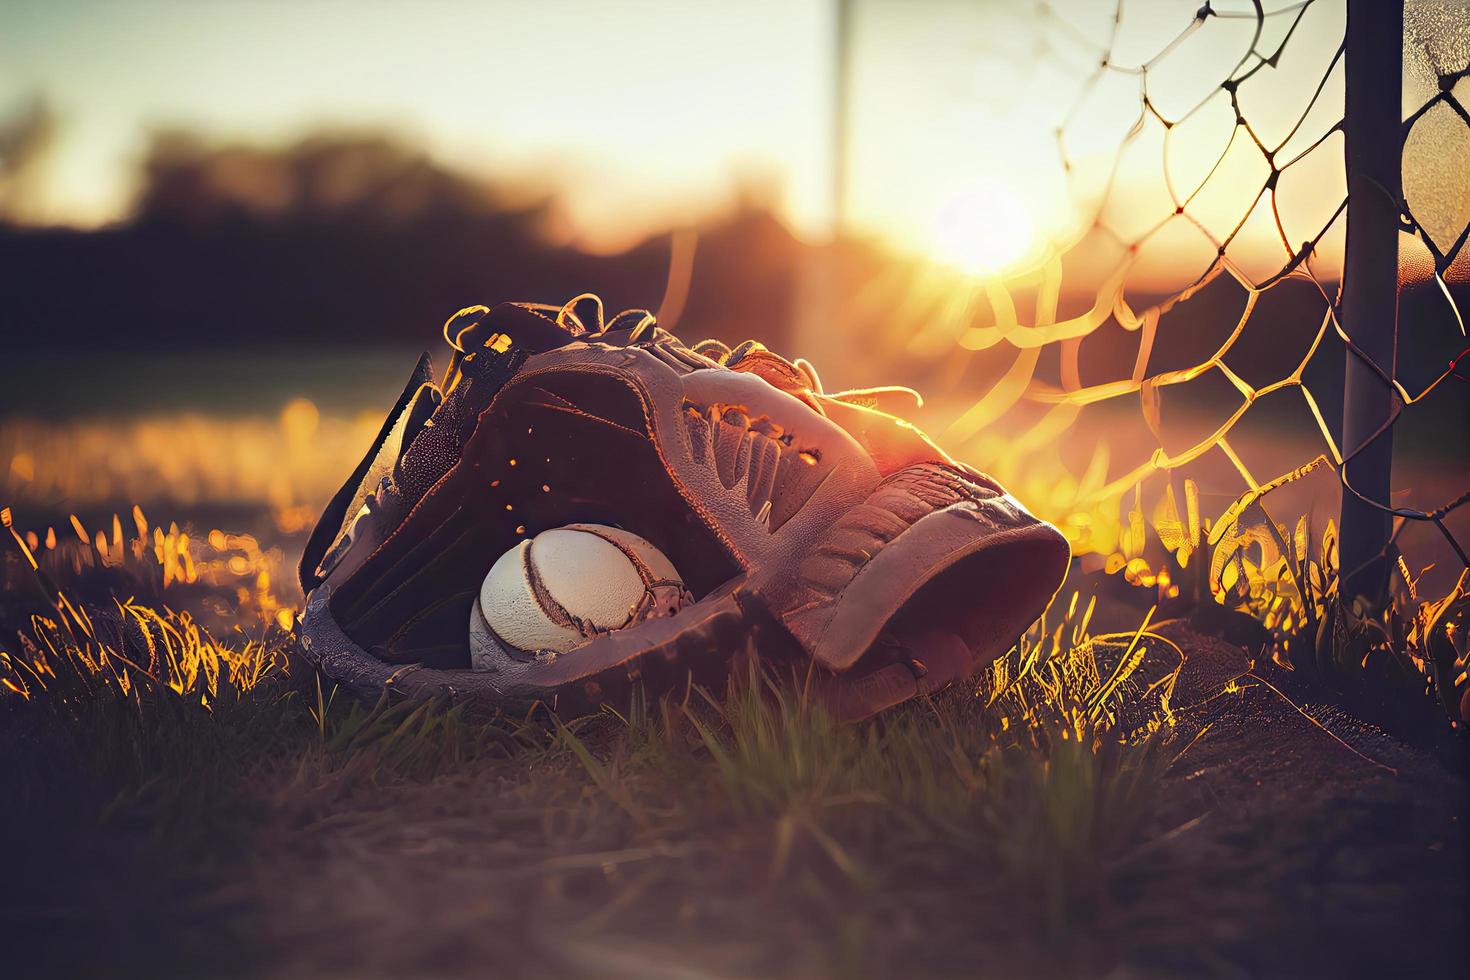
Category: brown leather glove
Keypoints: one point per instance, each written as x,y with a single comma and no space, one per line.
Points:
826,535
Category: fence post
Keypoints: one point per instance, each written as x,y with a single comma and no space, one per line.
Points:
1372,127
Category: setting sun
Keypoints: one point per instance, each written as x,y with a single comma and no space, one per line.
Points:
983,229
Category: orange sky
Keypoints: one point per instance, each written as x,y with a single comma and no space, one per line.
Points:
644,113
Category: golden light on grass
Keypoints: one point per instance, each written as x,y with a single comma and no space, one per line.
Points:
292,463
140,646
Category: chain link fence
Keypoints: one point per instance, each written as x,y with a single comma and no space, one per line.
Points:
1186,330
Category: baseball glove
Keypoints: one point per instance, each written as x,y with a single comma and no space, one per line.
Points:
819,530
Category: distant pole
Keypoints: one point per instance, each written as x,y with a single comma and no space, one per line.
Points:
841,111
1372,127
820,334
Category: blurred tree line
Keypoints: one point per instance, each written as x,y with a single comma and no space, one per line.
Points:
339,236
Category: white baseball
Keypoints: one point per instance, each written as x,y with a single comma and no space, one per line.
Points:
565,586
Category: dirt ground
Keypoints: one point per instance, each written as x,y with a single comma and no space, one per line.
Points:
1283,852
1278,849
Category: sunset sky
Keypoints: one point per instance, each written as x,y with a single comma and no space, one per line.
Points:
644,113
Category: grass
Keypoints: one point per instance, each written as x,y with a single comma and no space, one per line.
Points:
154,763
145,749
1022,791
143,758
1403,663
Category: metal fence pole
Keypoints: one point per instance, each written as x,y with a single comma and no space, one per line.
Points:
1369,297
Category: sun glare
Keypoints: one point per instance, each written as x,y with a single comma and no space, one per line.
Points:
983,229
